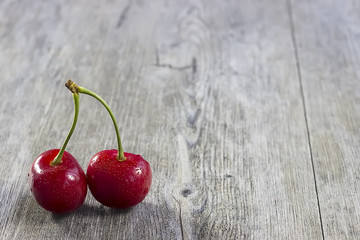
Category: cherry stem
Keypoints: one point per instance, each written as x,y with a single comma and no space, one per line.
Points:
57,159
73,87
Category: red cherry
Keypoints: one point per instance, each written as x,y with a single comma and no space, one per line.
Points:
116,179
118,184
61,188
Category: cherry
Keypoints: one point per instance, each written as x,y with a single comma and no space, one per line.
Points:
118,184
56,179
61,188
116,179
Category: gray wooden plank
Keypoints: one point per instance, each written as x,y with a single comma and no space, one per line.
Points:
75,42
252,157
208,92
328,37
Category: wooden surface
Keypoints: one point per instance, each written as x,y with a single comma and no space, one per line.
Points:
248,112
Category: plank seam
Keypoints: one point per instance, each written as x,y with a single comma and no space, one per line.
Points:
293,37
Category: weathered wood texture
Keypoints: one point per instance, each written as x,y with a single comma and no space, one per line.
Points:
248,112
328,45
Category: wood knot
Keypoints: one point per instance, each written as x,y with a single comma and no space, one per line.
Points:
186,192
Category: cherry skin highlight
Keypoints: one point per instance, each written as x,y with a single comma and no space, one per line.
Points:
61,188
118,184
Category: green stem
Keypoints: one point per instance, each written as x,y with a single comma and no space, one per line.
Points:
83,90
57,159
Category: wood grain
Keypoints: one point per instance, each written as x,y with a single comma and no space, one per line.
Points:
328,46
243,123
235,104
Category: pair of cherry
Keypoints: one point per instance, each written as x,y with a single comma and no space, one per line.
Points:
115,178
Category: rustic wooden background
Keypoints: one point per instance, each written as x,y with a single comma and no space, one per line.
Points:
248,112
